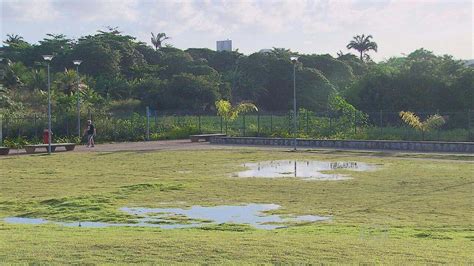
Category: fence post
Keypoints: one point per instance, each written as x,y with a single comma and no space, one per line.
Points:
290,118
132,129
67,125
199,122
469,124
19,127
307,122
330,122
355,122
114,126
156,122
381,123
225,125
6,126
258,124
243,121
271,123
1,129
34,126
147,123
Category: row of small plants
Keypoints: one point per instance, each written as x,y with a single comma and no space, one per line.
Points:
21,141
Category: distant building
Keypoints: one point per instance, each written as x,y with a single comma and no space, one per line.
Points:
224,45
469,63
265,51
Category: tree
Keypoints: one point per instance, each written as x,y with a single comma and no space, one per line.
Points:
126,45
363,44
36,79
337,71
313,89
99,58
230,113
151,92
66,81
281,52
14,40
414,121
186,91
157,40
176,62
16,49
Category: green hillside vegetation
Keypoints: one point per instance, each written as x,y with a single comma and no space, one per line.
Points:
120,72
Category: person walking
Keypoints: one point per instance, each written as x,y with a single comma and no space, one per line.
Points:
90,132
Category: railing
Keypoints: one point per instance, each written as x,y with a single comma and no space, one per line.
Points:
154,125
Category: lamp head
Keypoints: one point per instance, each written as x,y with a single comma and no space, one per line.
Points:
77,62
48,57
294,59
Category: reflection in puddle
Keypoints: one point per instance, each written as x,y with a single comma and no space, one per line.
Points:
308,170
169,218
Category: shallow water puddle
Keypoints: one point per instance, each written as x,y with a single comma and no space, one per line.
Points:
169,218
307,170
23,220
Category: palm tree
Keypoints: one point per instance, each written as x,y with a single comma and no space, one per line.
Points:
415,122
158,39
230,113
37,79
13,39
67,81
363,44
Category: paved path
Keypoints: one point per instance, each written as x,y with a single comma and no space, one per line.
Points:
188,145
145,146
135,146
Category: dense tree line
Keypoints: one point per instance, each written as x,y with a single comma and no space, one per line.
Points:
117,71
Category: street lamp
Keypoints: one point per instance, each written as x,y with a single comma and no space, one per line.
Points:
77,63
294,60
48,59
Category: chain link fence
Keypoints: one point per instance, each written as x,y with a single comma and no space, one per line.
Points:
155,125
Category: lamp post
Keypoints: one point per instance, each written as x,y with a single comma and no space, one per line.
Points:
294,60
77,63
48,59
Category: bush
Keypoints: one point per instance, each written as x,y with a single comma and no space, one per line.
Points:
175,132
15,143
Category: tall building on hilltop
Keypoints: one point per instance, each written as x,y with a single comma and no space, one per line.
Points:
224,45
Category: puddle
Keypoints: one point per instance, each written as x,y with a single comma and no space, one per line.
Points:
20,220
251,214
307,170
171,218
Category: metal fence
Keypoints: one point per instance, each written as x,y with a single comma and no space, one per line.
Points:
152,125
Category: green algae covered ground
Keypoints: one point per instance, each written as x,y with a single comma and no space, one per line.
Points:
410,210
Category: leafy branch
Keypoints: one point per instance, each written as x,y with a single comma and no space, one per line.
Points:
230,113
415,122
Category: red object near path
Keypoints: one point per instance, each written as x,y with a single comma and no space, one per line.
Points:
46,136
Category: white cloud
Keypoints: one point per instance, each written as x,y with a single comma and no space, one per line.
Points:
86,11
29,10
100,10
297,24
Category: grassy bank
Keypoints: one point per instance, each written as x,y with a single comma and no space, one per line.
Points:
409,210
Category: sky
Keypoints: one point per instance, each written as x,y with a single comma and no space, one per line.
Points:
305,26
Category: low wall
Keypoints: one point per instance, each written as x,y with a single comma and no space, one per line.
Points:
429,146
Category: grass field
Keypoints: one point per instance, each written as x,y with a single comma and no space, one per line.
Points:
410,210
